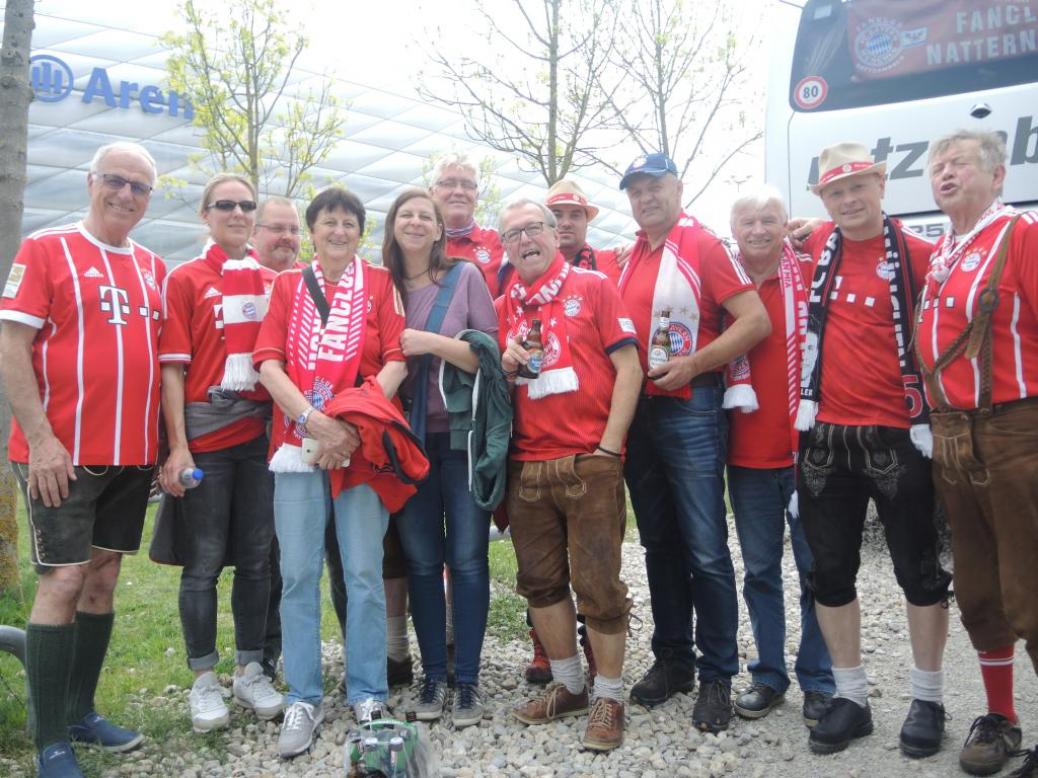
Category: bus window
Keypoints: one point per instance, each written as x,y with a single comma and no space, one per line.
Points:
858,53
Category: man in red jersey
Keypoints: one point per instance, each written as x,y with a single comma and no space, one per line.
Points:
565,496
79,347
455,189
867,436
977,341
762,450
677,445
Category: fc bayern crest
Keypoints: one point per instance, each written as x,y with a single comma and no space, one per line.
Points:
971,261
248,310
571,305
878,45
482,255
680,339
149,279
886,270
552,350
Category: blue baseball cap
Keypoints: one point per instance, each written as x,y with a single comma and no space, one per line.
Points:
656,164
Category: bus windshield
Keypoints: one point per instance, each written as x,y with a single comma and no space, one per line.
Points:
857,53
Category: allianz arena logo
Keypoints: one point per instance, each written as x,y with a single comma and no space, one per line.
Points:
52,81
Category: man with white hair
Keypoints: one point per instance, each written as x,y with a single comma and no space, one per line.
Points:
455,189
977,340
867,436
762,451
79,351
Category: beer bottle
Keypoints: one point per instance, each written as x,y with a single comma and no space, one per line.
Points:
535,347
659,349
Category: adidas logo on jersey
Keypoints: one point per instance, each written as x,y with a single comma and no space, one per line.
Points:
93,272
210,292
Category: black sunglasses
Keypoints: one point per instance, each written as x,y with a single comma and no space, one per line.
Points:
246,206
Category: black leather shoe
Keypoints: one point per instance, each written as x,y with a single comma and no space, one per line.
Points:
923,730
757,701
664,679
713,709
843,722
399,672
815,706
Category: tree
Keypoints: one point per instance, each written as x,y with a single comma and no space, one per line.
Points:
529,88
677,83
235,63
15,96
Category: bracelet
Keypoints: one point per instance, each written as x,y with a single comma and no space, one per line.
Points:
605,450
510,373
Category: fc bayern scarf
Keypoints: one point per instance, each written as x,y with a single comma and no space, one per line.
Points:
321,360
952,246
244,306
902,298
557,375
677,288
585,258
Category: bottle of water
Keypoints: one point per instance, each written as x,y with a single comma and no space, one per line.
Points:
190,477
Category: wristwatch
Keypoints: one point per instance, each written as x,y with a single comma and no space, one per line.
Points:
301,419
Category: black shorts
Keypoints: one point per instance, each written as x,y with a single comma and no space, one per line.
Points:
840,468
105,509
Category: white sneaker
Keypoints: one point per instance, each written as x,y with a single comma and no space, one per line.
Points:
253,690
368,710
297,732
208,711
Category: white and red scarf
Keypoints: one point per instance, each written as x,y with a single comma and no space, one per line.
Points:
557,375
322,360
677,288
244,306
952,247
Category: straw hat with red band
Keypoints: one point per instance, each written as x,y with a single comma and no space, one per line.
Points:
843,160
567,192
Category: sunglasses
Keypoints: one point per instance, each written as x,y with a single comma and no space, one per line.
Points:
247,206
116,183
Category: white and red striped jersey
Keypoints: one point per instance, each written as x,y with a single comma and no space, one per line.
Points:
949,306
98,310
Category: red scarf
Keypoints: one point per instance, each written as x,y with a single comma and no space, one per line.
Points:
244,306
322,360
557,374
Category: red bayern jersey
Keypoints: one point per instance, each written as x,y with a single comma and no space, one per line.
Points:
761,439
98,310
192,335
383,326
483,248
720,278
605,259
1014,324
861,376
561,425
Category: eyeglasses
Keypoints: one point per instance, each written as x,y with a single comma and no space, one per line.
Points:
116,183
247,206
532,230
454,183
280,229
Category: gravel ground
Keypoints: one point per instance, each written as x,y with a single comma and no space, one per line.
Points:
659,742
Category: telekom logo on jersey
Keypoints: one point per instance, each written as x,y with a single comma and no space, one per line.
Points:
116,301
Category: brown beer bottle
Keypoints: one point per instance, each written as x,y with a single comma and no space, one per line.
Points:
659,349
533,344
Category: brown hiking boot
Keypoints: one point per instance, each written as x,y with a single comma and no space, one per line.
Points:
539,669
605,725
555,703
989,744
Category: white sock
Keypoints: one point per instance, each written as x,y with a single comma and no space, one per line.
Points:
397,648
851,684
569,672
610,688
927,685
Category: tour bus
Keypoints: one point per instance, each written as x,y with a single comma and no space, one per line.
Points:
894,75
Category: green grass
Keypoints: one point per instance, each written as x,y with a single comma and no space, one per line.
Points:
145,657
507,617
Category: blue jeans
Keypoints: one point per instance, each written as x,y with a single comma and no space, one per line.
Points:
230,508
759,499
676,451
463,547
301,503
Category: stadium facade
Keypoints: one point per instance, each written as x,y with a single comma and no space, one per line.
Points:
96,82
